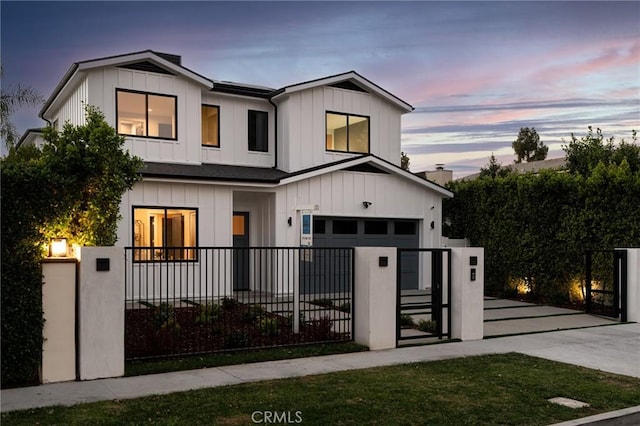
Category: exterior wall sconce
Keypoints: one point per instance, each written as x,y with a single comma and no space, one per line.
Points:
58,247
289,221
366,204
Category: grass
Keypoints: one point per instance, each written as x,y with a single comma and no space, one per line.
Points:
494,389
136,368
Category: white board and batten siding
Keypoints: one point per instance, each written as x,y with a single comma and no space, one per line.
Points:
234,134
302,140
340,194
186,149
72,110
214,204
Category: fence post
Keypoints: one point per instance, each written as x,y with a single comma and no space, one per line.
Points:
633,285
59,312
375,304
101,312
467,288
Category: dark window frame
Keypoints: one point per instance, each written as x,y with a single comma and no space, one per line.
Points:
146,113
348,151
219,142
253,145
164,249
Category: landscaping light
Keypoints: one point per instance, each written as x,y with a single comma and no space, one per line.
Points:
58,247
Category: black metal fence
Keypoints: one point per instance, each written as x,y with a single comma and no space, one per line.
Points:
423,295
606,283
192,300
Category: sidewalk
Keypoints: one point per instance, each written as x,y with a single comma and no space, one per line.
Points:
614,349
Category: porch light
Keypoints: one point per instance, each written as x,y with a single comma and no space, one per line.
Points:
58,247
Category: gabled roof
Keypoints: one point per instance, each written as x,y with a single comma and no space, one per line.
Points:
350,77
75,74
276,177
30,136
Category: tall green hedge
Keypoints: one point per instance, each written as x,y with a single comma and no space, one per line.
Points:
536,227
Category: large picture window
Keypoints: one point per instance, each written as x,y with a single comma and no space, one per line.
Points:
258,131
347,133
211,125
146,114
165,233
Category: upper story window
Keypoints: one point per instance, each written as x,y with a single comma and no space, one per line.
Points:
146,114
258,131
211,125
347,132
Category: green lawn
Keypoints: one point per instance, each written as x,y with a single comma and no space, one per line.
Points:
496,389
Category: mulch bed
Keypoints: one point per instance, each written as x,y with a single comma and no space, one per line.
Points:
166,331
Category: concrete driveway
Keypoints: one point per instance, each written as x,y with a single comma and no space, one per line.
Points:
504,317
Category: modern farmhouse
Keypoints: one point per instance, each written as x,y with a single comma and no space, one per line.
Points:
232,164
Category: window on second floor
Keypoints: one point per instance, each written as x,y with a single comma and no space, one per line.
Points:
347,133
211,125
165,233
146,114
258,131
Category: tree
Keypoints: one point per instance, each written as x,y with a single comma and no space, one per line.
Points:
584,154
404,161
11,100
528,146
494,169
71,188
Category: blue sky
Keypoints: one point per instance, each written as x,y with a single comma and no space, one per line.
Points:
476,72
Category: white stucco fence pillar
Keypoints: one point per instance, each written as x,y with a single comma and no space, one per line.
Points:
375,294
59,312
101,312
633,284
467,288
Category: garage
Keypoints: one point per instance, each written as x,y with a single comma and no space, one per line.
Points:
354,232
360,232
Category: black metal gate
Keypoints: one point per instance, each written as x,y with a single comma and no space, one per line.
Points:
606,283
423,314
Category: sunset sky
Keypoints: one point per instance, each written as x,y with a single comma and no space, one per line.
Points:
476,72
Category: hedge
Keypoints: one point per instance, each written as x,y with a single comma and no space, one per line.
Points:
536,227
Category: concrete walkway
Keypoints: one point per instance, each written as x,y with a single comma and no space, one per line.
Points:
614,348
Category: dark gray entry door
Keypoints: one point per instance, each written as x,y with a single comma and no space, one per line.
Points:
241,251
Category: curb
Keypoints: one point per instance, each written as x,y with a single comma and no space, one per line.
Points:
627,416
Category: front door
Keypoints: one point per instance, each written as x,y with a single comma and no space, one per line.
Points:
240,251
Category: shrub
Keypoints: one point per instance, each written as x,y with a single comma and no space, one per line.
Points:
208,313
321,329
406,320
345,307
236,340
229,303
428,326
164,315
325,302
268,327
253,314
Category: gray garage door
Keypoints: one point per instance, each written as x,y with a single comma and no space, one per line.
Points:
354,232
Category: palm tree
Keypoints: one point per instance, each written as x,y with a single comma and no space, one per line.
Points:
11,100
